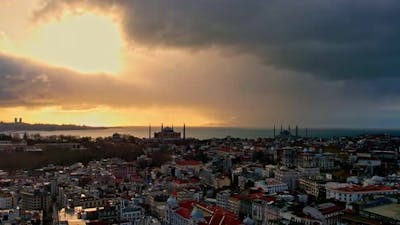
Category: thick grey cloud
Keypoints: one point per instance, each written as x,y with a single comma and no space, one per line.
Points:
334,39
323,63
25,83
240,94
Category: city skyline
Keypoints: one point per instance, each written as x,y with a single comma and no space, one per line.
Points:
204,63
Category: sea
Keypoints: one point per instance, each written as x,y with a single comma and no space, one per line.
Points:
215,132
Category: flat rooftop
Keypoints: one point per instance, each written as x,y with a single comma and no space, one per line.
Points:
390,210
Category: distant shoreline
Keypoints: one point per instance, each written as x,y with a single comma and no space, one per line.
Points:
10,127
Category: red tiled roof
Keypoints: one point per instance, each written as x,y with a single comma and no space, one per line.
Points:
184,212
191,180
259,196
215,219
223,219
357,188
332,209
220,216
187,204
229,220
188,163
225,149
235,197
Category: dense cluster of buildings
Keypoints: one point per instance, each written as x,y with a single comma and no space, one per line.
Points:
283,180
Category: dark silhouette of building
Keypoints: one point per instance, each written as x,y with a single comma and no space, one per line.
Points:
167,133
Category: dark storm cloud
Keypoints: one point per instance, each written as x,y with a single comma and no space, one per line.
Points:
334,39
227,95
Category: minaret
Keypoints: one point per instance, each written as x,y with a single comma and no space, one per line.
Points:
297,131
149,131
162,133
184,131
274,131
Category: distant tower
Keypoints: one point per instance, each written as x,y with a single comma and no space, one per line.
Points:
184,131
172,127
20,120
162,133
274,131
297,131
149,131
289,129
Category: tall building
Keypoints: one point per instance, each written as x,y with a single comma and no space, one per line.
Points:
290,177
35,200
6,200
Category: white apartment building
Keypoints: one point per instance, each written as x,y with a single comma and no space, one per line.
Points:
351,193
271,185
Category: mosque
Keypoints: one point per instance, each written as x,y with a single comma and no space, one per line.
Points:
168,133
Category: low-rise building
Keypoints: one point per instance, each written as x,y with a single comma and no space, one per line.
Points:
351,193
312,185
271,185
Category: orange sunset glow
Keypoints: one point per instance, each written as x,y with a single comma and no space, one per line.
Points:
225,63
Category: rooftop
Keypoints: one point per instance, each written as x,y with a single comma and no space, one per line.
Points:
390,210
188,163
358,188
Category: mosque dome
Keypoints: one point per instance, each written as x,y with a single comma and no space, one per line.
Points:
197,214
172,202
248,221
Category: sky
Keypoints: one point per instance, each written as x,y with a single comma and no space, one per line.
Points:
312,63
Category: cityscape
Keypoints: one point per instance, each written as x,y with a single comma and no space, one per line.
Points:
170,178
199,112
